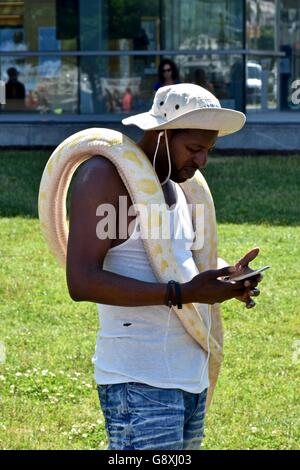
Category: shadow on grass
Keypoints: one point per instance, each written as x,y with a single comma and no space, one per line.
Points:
245,189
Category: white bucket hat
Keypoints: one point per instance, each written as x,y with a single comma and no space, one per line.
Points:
187,106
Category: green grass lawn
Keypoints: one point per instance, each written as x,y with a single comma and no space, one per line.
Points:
48,399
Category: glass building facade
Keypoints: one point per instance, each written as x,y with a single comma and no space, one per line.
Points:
79,57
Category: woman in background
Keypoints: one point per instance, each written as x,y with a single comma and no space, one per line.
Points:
167,73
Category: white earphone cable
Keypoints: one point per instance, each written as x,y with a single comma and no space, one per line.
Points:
157,146
168,153
169,158
208,345
166,340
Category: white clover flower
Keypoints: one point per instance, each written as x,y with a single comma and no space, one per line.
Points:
2,353
74,430
45,390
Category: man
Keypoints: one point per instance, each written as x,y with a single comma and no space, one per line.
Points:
152,376
15,91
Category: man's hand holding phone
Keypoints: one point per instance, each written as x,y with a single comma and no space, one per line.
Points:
250,277
217,285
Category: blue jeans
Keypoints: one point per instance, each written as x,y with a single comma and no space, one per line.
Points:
138,416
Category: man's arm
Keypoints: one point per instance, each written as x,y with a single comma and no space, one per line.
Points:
98,182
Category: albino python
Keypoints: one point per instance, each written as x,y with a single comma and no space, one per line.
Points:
142,183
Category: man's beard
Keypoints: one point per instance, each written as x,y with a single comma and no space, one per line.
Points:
179,176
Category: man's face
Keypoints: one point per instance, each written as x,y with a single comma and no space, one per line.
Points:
189,151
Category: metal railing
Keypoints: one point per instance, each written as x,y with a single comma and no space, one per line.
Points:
262,53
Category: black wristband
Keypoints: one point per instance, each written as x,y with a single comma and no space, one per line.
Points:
178,295
173,292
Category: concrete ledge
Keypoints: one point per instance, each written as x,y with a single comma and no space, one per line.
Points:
258,136
50,134
273,136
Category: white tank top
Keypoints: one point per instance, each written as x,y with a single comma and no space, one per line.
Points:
149,344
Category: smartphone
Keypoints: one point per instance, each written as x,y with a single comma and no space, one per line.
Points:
242,277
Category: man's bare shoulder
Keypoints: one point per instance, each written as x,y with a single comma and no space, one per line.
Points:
98,174
98,165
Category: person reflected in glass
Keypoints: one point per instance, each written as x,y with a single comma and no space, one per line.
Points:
201,79
127,101
235,86
141,41
167,73
15,91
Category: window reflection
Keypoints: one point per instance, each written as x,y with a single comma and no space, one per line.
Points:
261,20
159,24
135,21
22,24
290,43
221,24
261,83
51,86
106,88
120,84
223,75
